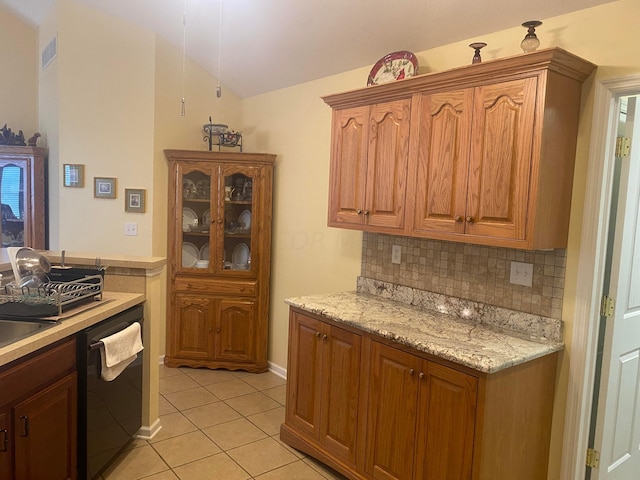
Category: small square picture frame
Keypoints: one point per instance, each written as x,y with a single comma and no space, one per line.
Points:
104,187
73,175
134,200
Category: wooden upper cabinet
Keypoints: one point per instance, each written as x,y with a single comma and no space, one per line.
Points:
491,152
369,167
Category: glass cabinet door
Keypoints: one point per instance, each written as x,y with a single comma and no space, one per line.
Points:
240,218
13,203
197,210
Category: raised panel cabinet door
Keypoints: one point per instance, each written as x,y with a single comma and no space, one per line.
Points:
501,159
443,161
235,330
46,432
446,424
387,163
6,444
391,413
304,374
192,327
340,391
348,170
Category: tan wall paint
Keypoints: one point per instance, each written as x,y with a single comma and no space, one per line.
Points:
295,124
19,77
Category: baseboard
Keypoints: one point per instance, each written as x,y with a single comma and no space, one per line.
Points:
277,370
148,432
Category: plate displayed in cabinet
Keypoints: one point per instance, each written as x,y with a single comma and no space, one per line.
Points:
240,257
189,219
204,251
206,217
245,220
189,254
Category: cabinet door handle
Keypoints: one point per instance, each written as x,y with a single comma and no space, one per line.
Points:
358,211
5,440
25,426
469,219
411,371
324,337
457,218
219,220
421,375
366,212
318,334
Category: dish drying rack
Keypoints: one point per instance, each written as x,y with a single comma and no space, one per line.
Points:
50,298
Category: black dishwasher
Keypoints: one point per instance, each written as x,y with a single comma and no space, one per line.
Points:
109,413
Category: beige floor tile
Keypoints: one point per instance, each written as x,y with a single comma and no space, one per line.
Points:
324,470
230,389
279,394
168,475
165,371
234,434
294,471
186,448
242,374
252,403
164,406
264,380
204,376
173,424
176,383
223,466
192,397
295,452
262,456
135,463
211,414
268,421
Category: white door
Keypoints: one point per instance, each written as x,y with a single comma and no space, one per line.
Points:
617,435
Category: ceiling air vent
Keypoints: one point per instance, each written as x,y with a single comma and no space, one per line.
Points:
50,52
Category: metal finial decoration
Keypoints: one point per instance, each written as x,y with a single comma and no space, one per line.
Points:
477,46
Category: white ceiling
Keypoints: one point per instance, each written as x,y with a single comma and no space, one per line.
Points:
271,44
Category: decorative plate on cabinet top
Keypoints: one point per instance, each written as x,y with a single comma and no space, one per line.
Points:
393,66
189,254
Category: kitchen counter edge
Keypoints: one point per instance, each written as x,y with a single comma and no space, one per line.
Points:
486,349
112,303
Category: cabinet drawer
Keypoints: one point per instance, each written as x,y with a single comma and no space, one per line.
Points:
23,376
213,287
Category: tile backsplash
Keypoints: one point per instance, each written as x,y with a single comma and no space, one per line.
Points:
472,272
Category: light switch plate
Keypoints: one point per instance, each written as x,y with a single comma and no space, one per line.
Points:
521,273
131,229
396,254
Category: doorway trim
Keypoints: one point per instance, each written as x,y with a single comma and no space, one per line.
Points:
593,244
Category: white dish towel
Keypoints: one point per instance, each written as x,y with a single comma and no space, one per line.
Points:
119,350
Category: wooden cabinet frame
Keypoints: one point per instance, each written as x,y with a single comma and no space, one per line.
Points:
218,317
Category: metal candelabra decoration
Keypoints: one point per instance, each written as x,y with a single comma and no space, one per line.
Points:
220,135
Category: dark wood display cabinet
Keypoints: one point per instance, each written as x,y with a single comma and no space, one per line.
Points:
219,255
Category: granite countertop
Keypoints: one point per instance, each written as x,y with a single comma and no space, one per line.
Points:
480,346
111,304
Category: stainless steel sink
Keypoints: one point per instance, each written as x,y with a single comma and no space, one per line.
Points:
14,330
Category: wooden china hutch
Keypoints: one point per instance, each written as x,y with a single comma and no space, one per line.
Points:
219,255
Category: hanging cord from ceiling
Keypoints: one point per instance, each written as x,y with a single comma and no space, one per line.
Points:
219,87
184,55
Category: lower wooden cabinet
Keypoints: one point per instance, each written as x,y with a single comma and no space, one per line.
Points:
212,331
323,397
375,410
38,415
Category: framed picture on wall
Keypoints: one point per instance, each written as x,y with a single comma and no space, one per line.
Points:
134,200
73,175
104,187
